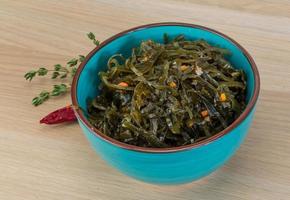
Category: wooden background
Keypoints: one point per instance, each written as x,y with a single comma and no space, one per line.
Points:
57,163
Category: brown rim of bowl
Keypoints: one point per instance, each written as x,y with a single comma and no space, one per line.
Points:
99,134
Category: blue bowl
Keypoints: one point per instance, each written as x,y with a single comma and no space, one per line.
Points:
174,165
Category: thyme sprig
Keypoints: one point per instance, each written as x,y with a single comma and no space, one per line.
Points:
65,73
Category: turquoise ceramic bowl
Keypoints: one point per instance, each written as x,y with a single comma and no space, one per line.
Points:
168,165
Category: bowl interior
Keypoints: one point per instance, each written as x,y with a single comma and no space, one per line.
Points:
87,84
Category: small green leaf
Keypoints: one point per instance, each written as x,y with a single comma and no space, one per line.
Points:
73,71
42,71
55,75
81,58
43,96
63,76
97,42
59,89
91,36
72,62
29,75
57,67
35,101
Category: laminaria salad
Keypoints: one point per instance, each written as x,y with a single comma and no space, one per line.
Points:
168,94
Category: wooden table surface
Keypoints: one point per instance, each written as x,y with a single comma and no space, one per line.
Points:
49,163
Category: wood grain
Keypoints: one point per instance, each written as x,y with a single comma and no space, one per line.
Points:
39,162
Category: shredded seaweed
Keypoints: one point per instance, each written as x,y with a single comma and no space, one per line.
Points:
166,95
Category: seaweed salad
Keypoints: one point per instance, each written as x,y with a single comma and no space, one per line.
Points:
168,94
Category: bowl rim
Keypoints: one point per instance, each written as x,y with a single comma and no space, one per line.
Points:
79,113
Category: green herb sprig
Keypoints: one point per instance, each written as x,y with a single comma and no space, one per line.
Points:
92,37
64,73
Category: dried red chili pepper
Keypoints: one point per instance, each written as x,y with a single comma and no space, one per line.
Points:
65,114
